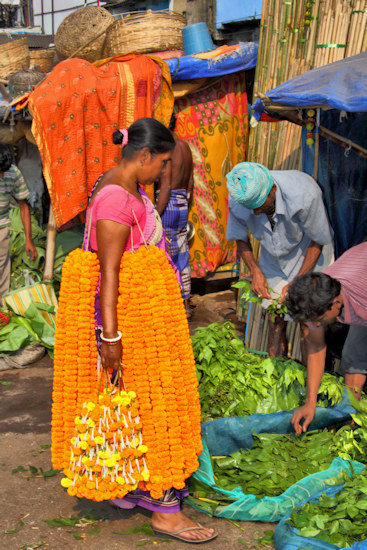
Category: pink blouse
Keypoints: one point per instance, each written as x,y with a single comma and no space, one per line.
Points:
114,203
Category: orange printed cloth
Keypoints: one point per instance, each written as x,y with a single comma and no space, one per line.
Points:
214,122
75,111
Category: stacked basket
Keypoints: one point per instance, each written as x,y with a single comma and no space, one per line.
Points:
23,82
82,33
42,59
14,56
144,32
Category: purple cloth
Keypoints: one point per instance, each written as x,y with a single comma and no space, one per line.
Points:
170,503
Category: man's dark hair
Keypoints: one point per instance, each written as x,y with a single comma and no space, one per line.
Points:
145,132
6,158
311,295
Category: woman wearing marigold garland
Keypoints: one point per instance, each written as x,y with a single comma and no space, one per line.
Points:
121,218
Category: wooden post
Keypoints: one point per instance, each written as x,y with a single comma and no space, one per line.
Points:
50,247
317,146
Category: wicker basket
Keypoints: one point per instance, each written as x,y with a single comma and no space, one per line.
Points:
23,82
144,32
42,59
42,293
14,56
83,28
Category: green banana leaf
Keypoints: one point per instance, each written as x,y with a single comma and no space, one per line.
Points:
17,338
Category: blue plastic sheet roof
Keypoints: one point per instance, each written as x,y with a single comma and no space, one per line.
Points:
341,85
189,67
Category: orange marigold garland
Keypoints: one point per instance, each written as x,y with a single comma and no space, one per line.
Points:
75,352
158,365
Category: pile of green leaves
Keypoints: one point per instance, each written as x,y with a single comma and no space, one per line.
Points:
22,268
31,328
353,439
234,382
276,307
206,498
339,520
275,462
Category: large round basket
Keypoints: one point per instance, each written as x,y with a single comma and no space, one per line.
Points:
144,32
23,82
42,59
14,56
83,32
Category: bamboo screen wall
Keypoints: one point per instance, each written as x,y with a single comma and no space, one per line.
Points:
297,36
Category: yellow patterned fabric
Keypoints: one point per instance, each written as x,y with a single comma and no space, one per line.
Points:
214,122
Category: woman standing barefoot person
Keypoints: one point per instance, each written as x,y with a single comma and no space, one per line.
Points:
121,218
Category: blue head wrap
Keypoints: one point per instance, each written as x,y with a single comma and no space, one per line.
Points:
249,184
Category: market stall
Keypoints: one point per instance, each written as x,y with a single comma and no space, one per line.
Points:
330,103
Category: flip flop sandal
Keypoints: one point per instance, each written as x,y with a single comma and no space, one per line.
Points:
176,534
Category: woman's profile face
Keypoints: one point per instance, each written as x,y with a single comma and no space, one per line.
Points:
153,167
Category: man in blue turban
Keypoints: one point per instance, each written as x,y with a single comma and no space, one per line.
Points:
284,211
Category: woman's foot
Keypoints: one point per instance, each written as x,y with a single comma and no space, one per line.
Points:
172,524
189,313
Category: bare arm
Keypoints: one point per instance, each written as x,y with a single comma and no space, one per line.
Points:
111,240
164,188
25,215
316,350
312,255
259,282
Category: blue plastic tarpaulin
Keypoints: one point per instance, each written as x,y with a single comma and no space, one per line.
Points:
341,85
244,57
287,537
228,435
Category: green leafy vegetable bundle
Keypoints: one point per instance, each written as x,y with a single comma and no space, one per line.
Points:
205,498
276,307
234,382
24,330
353,441
339,520
275,462
22,267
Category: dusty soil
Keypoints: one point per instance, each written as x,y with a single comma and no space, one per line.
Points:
28,498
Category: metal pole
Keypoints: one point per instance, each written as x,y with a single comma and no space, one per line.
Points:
43,23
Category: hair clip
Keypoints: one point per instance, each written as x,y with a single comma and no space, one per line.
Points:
125,138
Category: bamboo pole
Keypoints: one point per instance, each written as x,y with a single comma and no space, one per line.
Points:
50,247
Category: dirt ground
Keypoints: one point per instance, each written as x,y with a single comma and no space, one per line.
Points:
29,496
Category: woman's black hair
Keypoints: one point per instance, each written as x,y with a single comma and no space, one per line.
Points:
145,132
172,122
6,158
311,295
